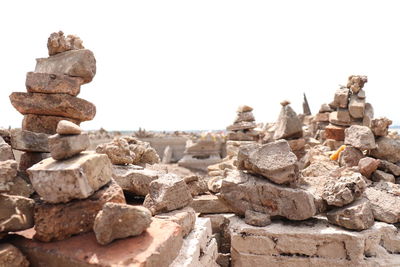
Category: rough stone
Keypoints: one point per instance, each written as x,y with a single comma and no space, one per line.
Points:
244,116
334,132
322,117
385,201
378,176
356,107
368,165
185,217
274,161
169,192
387,149
60,221
389,167
58,43
243,192
19,187
341,118
341,98
197,184
167,155
350,156
75,178
368,115
76,63
380,126
29,141
209,204
356,83
243,125
325,108
8,171
47,83
255,218
360,137
356,216
288,124
5,151
118,151
42,123
67,127
28,159
66,146
11,256
244,108
16,213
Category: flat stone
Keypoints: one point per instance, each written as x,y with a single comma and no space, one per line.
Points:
342,120
356,83
16,213
58,43
159,245
185,217
43,124
368,115
66,127
385,201
115,221
66,146
243,192
11,256
380,126
28,159
61,105
8,171
322,117
209,204
244,108
243,125
360,137
255,218
169,192
76,63
356,216
334,132
274,161
74,178
6,152
361,94
47,83
389,167
350,156
356,107
244,116
387,149
29,141
288,124
134,180
368,165
378,176
341,98
60,221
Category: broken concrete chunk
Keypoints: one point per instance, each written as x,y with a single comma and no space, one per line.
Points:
288,124
58,43
29,141
380,126
16,213
11,256
42,123
341,98
66,146
378,176
274,161
387,149
66,127
255,218
360,137
368,165
118,151
350,156
75,178
47,83
117,221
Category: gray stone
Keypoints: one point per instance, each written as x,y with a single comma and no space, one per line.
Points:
244,116
288,124
367,166
19,187
52,83
8,171
29,141
356,107
378,176
67,127
117,221
356,216
350,156
385,201
75,178
11,256
255,218
341,98
243,125
389,167
274,161
5,151
368,115
360,137
76,63
66,146
387,149
16,213
380,126
361,94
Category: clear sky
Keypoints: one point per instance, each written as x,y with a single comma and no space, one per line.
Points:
179,65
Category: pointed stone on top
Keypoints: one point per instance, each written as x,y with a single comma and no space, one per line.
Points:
65,127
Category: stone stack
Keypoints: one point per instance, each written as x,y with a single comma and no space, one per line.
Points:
243,127
51,96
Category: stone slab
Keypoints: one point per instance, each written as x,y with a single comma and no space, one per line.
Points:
66,146
209,204
52,83
29,141
42,123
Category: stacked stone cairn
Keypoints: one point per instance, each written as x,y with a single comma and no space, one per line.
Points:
243,127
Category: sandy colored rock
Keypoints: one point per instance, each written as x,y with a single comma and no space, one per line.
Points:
58,43
322,117
11,256
8,171
6,152
117,221
274,161
185,217
47,83
16,213
244,116
288,124
368,165
144,153
255,218
62,105
368,115
387,149
389,167
197,184
341,98
76,63
350,156
67,127
380,126
118,151
29,141
356,82
209,204
341,118
334,132
378,176
385,201
361,94
42,123
356,216
242,192
60,221
66,146
28,159
75,178
169,192
244,108
360,137
356,107
325,108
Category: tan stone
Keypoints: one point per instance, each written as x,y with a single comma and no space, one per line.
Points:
29,141
244,108
350,156
16,213
341,118
368,115
11,256
360,137
8,171
322,117
58,43
255,218
389,167
42,123
356,107
6,152
356,82
67,127
385,201
19,187
66,146
52,83
387,149
28,159
209,204
185,217
288,124
380,126
341,98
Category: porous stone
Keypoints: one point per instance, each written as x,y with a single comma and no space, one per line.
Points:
5,151
117,221
47,83
197,184
380,126
169,192
66,146
62,105
341,99
60,221
360,137
67,127
368,165
8,171
58,43
378,176
242,191
255,218
385,201
387,149
209,204
243,125
11,256
356,216
75,178
42,123
274,161
350,156
389,167
334,132
76,63
16,213
29,141
118,151
288,124
356,82
356,107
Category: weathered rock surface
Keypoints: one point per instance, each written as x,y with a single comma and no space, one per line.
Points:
76,63
368,114
117,221
356,216
29,141
43,124
19,187
350,156
66,146
387,149
341,98
167,193
28,159
11,256
356,82
360,137
61,105
244,116
341,118
255,218
209,204
242,125
118,151
5,151
58,43
380,126
74,178
385,201
47,83
67,127
368,165
16,213
334,132
378,176
389,167
274,161
356,107
243,192
185,217
8,171
288,124
197,184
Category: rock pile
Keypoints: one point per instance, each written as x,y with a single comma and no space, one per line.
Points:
243,127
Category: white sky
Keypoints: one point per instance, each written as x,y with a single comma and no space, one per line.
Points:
180,65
